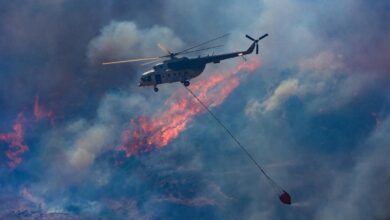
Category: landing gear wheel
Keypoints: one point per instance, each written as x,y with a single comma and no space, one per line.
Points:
186,83
155,89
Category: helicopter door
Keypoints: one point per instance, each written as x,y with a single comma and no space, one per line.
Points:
158,79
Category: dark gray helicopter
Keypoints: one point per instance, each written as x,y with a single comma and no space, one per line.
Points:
183,69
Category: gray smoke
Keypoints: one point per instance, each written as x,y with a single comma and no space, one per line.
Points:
124,40
307,114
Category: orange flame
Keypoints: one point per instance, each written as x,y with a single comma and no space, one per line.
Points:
163,127
25,193
15,140
40,112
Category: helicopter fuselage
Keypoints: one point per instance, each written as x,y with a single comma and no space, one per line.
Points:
173,70
183,69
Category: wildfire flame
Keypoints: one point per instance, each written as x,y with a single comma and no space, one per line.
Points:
27,194
40,112
145,134
15,140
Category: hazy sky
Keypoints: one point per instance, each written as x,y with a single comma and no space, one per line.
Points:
314,111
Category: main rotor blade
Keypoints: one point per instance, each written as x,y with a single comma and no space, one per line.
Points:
201,44
208,48
151,62
128,61
164,48
265,35
249,37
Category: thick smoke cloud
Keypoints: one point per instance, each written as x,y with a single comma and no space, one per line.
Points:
121,40
360,194
315,113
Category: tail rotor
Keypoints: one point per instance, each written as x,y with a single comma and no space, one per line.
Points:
256,41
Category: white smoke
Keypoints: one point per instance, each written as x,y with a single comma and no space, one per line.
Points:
124,40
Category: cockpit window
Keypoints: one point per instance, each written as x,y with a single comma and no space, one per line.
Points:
158,66
146,78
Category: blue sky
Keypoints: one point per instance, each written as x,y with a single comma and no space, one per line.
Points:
314,114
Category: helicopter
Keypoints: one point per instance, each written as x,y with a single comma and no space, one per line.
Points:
182,69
